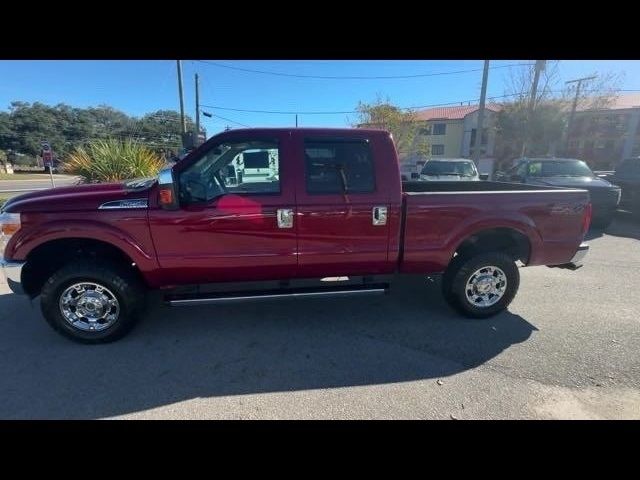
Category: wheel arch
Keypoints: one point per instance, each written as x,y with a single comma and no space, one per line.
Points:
508,239
46,258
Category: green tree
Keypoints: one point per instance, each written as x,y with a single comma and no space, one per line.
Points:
161,129
403,125
25,126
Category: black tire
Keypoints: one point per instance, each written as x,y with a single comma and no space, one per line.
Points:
461,269
602,223
124,285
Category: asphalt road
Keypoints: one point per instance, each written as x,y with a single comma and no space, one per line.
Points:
21,186
569,347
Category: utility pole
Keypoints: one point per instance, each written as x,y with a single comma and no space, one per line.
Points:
197,137
483,97
574,106
296,120
183,126
540,64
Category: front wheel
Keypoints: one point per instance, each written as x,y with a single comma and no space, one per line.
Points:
92,301
482,285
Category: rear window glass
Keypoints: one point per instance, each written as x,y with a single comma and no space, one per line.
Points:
463,169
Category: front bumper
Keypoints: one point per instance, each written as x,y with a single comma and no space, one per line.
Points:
576,261
12,273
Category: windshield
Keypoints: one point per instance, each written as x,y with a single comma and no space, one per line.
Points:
463,169
561,168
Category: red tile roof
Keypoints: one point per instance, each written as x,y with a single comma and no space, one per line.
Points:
451,113
623,101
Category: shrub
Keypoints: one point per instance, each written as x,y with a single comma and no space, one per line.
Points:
112,160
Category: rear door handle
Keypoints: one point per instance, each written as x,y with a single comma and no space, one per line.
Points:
379,215
285,217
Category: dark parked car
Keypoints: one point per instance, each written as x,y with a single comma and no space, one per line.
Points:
627,177
570,173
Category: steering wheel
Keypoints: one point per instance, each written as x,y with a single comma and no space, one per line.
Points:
220,183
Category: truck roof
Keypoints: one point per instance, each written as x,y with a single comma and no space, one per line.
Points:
374,131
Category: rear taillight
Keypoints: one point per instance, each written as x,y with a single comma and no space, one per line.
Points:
586,220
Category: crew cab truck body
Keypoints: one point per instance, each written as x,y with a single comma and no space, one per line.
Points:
334,218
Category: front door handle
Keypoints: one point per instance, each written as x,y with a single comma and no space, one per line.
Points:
379,215
285,217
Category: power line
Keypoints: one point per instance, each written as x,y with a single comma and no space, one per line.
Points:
230,120
355,77
292,112
415,107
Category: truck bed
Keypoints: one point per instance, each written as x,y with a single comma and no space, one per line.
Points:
439,216
483,186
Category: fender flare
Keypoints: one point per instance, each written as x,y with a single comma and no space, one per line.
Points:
514,221
24,244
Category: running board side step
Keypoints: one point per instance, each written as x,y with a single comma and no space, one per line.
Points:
239,297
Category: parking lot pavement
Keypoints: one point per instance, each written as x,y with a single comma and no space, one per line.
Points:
569,347
19,185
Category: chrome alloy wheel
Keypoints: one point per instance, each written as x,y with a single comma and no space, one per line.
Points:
486,286
89,306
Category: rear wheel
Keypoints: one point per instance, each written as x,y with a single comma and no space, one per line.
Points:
481,285
92,301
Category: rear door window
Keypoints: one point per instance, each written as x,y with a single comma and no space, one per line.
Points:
338,166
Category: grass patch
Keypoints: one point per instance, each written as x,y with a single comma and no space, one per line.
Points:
4,197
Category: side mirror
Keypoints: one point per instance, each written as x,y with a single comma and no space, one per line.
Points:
167,191
484,176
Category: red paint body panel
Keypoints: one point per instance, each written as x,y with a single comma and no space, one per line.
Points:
335,232
437,223
73,198
236,236
127,230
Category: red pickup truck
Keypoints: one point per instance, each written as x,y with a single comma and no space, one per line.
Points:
269,213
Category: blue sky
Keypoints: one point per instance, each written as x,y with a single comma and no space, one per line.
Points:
140,86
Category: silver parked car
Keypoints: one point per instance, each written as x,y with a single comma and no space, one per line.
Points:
449,169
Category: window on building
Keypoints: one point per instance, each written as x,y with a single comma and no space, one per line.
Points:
338,166
437,149
426,130
623,121
440,129
483,140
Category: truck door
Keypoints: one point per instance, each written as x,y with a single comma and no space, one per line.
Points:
343,206
231,226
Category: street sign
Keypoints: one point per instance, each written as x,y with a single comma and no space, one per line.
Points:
47,154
